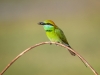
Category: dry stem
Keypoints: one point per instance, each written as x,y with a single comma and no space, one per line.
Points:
84,61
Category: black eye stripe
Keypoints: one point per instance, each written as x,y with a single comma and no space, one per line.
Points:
42,23
48,24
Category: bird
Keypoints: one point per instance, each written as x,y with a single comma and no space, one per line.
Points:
55,34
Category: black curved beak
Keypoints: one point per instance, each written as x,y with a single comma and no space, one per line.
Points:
41,23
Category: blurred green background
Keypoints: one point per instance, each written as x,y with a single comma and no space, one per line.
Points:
80,21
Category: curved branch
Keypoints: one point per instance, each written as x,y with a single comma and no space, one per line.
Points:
26,50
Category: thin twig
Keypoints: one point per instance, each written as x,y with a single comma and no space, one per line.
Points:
84,61
48,43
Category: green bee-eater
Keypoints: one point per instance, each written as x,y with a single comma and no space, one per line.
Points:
54,33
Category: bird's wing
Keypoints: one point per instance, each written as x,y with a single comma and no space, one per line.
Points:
61,35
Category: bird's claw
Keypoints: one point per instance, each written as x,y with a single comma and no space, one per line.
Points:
50,43
57,44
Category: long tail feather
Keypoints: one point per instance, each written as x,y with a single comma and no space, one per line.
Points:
72,53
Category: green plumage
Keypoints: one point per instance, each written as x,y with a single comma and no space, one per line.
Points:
54,33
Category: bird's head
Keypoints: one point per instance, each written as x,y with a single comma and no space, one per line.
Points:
47,22
48,25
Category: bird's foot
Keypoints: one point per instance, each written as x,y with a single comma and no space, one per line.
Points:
57,44
50,43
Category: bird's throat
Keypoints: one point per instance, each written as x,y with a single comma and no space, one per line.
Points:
48,28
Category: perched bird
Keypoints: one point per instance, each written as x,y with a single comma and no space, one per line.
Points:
54,33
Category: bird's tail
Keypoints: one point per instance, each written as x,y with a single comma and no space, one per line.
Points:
72,53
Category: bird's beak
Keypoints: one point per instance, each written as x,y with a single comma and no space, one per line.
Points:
41,23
